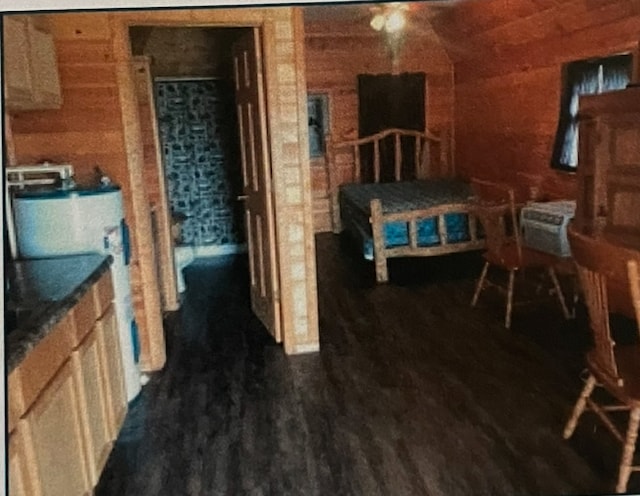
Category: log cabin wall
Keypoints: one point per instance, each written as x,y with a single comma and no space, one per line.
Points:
336,52
508,57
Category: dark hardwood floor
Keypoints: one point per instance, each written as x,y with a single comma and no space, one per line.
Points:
413,393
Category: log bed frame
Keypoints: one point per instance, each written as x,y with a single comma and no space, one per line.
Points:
423,159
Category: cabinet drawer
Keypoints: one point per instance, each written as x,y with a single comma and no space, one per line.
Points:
84,316
41,364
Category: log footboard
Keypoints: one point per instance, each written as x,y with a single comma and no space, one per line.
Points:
413,249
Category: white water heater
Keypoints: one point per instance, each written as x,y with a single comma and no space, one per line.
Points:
59,222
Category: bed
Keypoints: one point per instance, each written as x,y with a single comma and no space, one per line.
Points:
404,216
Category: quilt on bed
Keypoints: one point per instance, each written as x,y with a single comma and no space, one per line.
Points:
355,200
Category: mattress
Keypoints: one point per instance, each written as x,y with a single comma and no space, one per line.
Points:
355,201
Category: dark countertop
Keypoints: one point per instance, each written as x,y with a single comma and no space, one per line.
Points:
40,294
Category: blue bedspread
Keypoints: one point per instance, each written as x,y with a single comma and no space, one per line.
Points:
355,200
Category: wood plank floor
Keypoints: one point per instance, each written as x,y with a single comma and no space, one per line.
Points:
413,393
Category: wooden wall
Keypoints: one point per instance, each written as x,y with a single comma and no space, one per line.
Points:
87,132
97,126
336,52
508,57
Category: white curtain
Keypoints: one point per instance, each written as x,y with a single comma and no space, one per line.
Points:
585,78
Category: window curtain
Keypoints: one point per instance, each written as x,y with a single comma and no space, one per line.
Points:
585,78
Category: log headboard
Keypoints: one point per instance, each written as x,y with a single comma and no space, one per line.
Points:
430,153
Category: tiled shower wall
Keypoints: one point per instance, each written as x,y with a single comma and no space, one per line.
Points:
198,135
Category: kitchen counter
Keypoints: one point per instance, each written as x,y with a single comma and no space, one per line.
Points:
41,292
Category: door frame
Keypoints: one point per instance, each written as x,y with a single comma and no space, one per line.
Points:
299,318
164,253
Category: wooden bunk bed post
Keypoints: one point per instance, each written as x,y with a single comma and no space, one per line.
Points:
377,229
376,161
357,167
445,156
398,157
417,163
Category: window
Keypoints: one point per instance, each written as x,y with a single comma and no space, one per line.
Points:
584,77
318,110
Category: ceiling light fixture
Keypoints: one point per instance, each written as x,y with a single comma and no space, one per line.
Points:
390,17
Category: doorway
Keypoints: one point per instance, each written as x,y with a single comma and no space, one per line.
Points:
199,148
283,113
213,149
193,96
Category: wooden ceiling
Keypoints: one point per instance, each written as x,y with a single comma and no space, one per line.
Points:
468,28
361,12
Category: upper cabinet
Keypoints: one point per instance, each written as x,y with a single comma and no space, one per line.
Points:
30,67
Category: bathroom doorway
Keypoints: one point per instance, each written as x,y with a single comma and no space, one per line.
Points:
281,204
193,94
212,146
190,99
199,148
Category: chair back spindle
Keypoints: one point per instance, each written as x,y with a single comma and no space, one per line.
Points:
495,208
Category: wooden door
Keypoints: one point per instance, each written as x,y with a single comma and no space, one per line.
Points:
113,375
17,70
256,180
153,171
88,377
58,437
24,478
390,101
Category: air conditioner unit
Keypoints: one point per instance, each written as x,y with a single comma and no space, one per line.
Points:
544,226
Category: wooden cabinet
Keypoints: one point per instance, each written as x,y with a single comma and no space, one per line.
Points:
609,166
113,375
58,437
67,401
88,371
17,71
24,479
31,70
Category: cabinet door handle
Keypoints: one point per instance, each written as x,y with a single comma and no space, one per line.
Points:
243,197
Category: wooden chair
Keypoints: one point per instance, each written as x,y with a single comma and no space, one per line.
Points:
495,207
604,269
